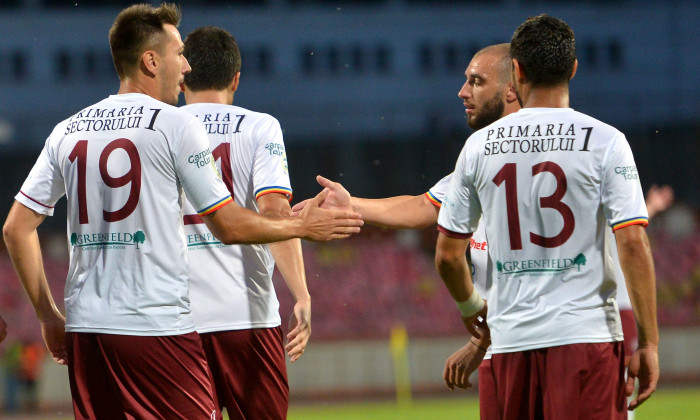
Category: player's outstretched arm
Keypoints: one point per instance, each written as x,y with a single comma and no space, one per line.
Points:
638,268
233,224
22,240
451,264
289,259
3,329
399,212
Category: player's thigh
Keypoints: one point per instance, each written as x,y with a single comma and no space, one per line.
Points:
160,377
249,370
488,398
583,381
92,386
603,395
517,385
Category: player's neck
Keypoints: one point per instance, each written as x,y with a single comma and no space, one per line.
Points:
547,97
134,85
224,96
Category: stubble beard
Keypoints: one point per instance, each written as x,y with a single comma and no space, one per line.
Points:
489,113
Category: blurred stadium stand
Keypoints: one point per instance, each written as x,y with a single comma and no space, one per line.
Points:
364,286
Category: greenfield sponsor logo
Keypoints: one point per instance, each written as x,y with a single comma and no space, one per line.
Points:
203,241
541,267
108,240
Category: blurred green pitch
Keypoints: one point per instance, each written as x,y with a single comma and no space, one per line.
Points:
669,403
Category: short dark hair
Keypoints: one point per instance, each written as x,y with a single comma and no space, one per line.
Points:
214,57
503,52
545,47
136,29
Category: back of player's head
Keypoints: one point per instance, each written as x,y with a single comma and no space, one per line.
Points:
546,50
139,28
502,54
214,57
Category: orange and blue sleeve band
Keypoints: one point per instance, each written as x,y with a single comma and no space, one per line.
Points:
434,200
216,206
269,190
629,222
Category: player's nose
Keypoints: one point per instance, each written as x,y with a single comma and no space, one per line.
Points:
185,65
464,93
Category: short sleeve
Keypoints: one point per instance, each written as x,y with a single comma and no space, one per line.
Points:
270,169
44,185
437,193
195,167
461,209
622,195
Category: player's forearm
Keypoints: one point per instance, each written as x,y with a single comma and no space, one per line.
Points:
638,268
400,212
451,264
233,224
290,262
457,278
25,253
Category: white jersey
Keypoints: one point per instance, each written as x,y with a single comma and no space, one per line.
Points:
122,164
478,247
235,291
547,180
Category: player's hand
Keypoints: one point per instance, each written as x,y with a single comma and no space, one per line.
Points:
299,330
53,329
338,197
3,329
324,225
658,199
644,365
462,363
476,323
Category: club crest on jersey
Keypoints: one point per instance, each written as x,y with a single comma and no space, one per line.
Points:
285,167
542,267
107,240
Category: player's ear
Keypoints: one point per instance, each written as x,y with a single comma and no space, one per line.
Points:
573,72
234,83
149,63
518,72
510,94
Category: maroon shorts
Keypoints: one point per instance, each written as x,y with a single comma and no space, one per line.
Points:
629,328
249,371
488,398
576,381
139,377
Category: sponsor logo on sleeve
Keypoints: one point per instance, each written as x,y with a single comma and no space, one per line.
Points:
628,172
275,149
200,159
